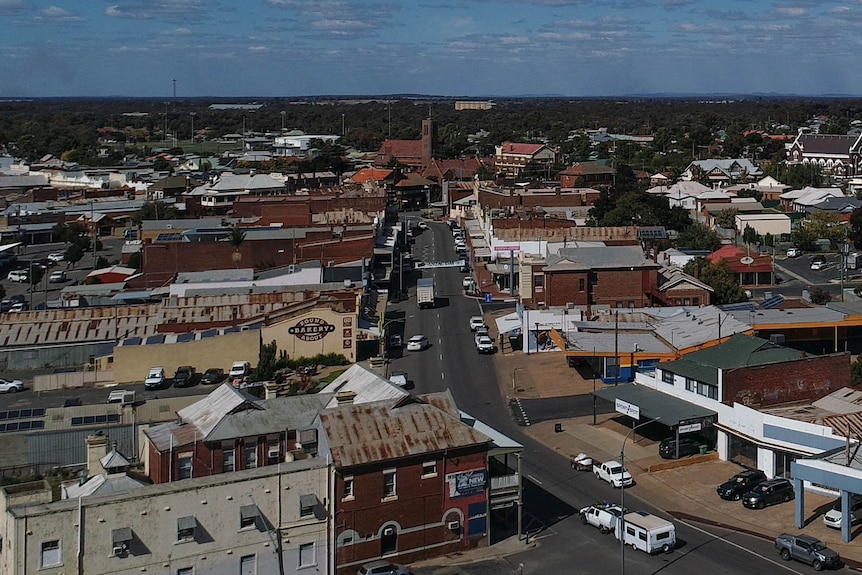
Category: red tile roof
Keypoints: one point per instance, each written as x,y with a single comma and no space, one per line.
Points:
520,149
733,255
376,174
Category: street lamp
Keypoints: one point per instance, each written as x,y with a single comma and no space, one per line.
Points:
623,496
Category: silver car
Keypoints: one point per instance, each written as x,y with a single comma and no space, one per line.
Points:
11,385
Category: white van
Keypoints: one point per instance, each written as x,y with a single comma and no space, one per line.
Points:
647,532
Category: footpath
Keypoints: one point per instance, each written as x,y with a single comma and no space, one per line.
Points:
684,489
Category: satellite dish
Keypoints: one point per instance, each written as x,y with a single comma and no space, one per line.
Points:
747,260
506,266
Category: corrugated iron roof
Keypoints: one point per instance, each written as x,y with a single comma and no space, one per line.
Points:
208,412
278,414
382,431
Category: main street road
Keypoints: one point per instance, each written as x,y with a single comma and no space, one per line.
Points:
554,491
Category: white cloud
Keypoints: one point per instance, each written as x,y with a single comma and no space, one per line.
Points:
57,14
792,12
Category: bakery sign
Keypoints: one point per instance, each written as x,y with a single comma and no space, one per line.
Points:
311,329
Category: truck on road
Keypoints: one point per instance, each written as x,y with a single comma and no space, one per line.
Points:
613,473
425,292
647,532
602,515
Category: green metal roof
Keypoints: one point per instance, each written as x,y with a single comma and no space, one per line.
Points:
743,351
655,404
691,370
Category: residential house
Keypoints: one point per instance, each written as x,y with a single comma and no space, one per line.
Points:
843,205
219,196
750,268
587,175
722,170
677,288
802,199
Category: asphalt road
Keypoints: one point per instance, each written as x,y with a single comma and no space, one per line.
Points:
553,491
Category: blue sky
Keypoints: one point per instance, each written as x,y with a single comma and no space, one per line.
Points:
265,48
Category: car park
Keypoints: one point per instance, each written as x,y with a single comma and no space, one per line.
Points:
11,385
184,376
57,276
476,322
667,449
417,343
808,550
769,492
735,487
832,518
794,252
155,378
212,376
382,568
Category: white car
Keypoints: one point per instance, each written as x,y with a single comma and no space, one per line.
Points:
476,322
794,252
417,343
484,344
155,378
57,276
11,385
18,276
832,518
56,257
818,265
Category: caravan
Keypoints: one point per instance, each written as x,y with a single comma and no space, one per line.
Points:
647,532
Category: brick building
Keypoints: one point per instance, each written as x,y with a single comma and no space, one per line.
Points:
411,480
677,288
836,154
587,174
610,276
511,157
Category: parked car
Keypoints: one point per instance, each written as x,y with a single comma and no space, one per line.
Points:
467,283
808,550
832,518
19,307
11,385
56,257
184,376
687,446
155,378
417,343
485,344
212,375
10,301
399,378
122,396
239,369
476,322
740,483
57,276
770,492
382,568
18,276
794,252
818,263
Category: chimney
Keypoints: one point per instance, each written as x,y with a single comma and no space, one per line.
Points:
270,390
97,448
345,397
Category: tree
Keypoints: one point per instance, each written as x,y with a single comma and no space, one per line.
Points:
699,236
267,361
819,296
726,218
134,261
36,274
856,372
155,211
719,277
749,236
236,238
74,253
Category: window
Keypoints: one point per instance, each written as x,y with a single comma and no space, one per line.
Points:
186,571
581,284
185,467
707,390
51,555
539,281
429,469
687,301
663,535
251,456
248,565
642,535
348,488
306,554
307,503
631,304
619,304
389,484
186,527
229,462
695,301
690,384
248,516
273,451
667,376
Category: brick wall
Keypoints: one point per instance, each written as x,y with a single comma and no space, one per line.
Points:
609,287
423,506
807,379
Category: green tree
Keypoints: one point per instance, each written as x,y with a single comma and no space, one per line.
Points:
699,236
73,254
36,274
726,218
134,261
236,238
155,211
749,236
856,371
819,296
102,262
267,361
855,231
719,277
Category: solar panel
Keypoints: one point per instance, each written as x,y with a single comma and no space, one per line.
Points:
39,412
773,303
183,337
209,333
742,306
156,339
169,237
132,341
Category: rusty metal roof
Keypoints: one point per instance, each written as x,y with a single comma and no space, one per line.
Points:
386,430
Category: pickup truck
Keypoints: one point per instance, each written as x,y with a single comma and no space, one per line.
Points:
613,473
603,515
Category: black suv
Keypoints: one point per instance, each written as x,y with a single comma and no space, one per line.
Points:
734,487
184,376
687,446
768,493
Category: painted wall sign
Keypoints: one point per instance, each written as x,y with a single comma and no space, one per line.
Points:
466,483
311,329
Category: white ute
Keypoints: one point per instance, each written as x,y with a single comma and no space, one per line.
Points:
602,515
613,473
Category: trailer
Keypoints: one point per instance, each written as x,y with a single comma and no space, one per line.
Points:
425,292
649,533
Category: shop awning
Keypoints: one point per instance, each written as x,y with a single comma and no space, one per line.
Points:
654,404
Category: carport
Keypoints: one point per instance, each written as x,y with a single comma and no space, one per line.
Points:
839,469
638,401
